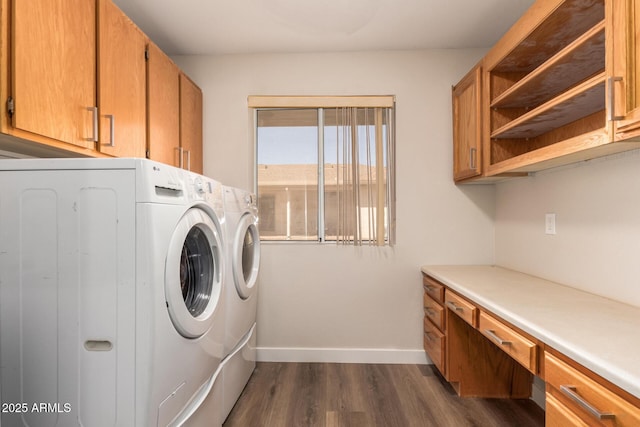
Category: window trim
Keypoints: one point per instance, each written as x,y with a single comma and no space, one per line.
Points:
369,101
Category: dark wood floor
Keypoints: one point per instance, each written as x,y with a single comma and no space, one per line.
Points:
355,395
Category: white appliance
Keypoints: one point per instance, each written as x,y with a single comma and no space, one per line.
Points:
111,293
243,262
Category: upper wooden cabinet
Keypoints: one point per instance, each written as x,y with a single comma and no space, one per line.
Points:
467,122
174,114
625,81
51,93
191,124
74,82
163,100
561,86
121,83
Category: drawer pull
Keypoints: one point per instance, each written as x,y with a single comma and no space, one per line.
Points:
429,337
429,312
496,338
571,392
453,306
429,288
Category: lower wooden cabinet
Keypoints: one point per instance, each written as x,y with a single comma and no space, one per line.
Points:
558,415
482,354
580,400
473,365
435,345
434,323
510,341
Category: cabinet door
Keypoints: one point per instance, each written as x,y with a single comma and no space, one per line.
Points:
624,86
467,126
163,98
54,69
121,83
191,124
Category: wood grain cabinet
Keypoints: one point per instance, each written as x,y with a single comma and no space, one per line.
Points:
561,86
467,126
486,355
77,83
174,114
190,125
625,81
49,89
121,83
434,323
519,347
473,365
576,399
163,100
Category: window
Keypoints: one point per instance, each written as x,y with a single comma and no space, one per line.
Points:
325,169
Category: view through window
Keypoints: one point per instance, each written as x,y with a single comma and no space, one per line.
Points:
326,174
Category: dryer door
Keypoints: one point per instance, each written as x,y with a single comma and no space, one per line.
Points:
193,273
246,256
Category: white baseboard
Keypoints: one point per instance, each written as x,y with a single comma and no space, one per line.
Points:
341,355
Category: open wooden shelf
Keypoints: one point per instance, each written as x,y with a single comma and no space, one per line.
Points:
561,86
576,103
566,23
573,64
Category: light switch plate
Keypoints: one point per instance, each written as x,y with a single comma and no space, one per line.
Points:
550,223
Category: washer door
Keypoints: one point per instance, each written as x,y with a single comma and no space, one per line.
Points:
193,273
246,256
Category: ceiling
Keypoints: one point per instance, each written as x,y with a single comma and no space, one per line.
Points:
209,27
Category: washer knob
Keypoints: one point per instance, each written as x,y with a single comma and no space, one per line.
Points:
199,186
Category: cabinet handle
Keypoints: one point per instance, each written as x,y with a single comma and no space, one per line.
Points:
472,158
188,159
180,156
94,136
429,288
493,336
428,336
572,392
453,306
112,129
611,99
430,312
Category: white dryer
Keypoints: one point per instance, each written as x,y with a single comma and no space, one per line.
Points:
243,262
111,293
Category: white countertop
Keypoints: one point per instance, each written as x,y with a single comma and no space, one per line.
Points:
600,334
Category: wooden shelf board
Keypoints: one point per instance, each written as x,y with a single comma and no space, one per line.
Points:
580,148
580,101
578,61
567,22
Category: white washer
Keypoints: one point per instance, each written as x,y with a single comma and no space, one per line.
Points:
243,262
111,293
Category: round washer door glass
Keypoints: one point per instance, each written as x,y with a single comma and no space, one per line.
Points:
246,256
193,275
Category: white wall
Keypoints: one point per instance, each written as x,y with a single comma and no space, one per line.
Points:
315,301
597,207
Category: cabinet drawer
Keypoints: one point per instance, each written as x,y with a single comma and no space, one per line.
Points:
558,415
520,348
434,312
434,345
587,398
461,307
432,288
